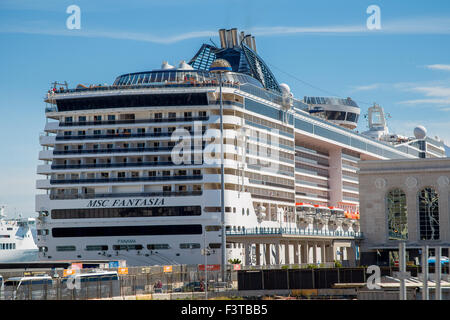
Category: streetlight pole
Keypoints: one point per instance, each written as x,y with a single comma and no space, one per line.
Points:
437,273
221,66
205,252
425,292
222,185
402,269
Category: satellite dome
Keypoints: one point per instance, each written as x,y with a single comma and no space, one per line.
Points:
285,88
220,65
420,132
165,66
184,66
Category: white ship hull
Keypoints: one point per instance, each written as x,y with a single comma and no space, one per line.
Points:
27,255
16,240
242,215
174,255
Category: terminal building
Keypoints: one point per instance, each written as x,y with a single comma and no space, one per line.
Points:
403,200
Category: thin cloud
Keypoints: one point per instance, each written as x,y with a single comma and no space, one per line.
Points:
121,35
421,25
418,25
444,67
436,93
439,102
367,87
146,37
280,30
433,91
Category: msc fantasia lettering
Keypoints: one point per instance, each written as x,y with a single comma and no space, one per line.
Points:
142,202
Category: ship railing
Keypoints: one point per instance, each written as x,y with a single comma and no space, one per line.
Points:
274,198
125,195
333,217
120,135
52,108
112,150
272,184
117,165
216,102
199,84
259,167
122,150
295,231
131,179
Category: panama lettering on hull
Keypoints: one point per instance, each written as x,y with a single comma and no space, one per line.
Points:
140,202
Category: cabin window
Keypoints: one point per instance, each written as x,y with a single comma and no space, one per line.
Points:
65,248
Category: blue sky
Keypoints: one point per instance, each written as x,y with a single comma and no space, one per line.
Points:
317,47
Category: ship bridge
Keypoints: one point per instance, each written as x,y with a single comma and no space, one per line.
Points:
343,112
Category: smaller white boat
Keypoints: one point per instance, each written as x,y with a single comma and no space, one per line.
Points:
16,239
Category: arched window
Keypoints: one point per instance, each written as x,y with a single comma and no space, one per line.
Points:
428,206
397,215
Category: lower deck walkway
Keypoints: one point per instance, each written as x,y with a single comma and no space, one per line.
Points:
268,246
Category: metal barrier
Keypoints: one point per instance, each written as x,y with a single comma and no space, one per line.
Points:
137,281
59,290
307,277
184,279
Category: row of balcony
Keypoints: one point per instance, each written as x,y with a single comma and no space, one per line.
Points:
227,119
312,152
271,184
120,135
113,150
116,165
132,121
129,179
51,154
76,181
91,195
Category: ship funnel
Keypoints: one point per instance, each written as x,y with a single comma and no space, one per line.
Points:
253,44
241,36
223,39
229,39
234,39
248,41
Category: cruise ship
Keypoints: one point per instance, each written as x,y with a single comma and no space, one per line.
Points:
132,171
16,239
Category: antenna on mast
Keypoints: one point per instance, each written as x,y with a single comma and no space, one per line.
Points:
56,83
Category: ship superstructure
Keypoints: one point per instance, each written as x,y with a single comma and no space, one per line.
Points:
131,169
